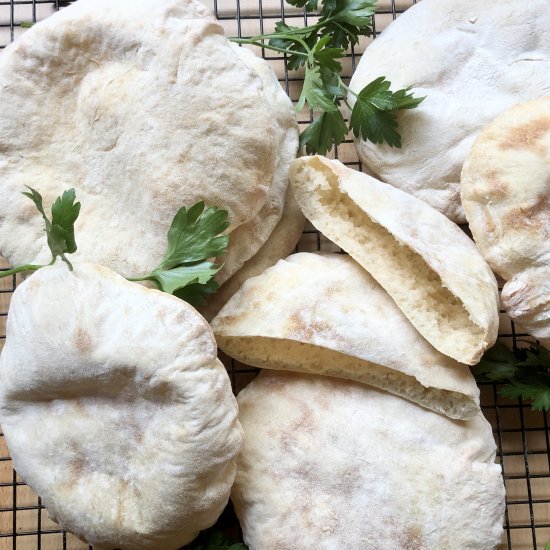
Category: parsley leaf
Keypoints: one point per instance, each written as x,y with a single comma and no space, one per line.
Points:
196,293
525,373
310,5
194,237
314,92
374,114
60,230
326,130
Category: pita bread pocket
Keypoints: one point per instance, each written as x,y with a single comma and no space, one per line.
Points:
324,314
426,263
481,58
332,464
114,391
279,244
505,190
160,110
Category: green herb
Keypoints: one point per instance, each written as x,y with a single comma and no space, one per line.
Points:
319,48
59,230
27,24
524,371
193,238
547,546
185,271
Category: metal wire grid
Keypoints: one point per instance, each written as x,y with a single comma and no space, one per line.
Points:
522,436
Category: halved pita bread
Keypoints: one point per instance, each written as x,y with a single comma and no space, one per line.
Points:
115,408
472,60
332,464
426,263
324,314
144,107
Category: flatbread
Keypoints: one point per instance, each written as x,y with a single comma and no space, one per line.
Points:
426,263
324,314
331,464
143,107
479,60
279,244
116,410
505,192
526,299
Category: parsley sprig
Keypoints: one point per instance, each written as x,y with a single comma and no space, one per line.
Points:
59,230
524,371
319,48
194,238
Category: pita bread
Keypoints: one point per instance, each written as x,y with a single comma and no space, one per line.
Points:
505,190
279,245
116,410
143,107
526,299
331,464
480,59
325,315
426,263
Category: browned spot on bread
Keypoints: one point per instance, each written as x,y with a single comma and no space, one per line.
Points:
534,218
527,135
411,538
305,330
82,341
495,186
78,465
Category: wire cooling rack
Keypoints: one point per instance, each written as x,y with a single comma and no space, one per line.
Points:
521,435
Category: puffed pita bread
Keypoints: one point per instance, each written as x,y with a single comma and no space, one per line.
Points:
115,408
526,299
426,263
143,107
505,192
331,464
324,314
479,60
278,245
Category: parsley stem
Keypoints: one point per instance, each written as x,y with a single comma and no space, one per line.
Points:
256,41
20,269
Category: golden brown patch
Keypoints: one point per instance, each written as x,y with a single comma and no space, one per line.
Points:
304,330
82,341
527,135
535,218
496,187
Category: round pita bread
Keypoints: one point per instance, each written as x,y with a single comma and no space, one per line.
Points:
331,464
324,314
116,410
505,192
480,59
143,107
425,262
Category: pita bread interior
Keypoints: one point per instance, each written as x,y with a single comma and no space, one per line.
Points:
481,58
332,464
279,244
143,107
141,420
324,314
425,262
505,190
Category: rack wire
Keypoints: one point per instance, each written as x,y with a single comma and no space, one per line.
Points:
521,435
